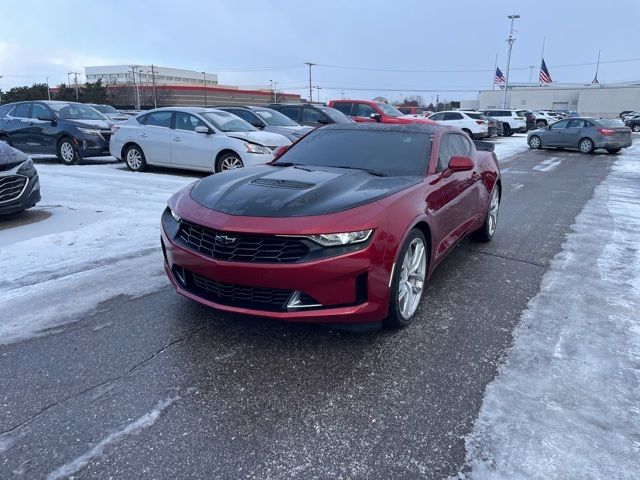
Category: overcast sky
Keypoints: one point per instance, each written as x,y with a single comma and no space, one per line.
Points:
251,42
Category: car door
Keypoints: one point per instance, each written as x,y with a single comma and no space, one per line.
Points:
555,134
42,133
574,132
460,191
16,125
154,137
247,116
344,107
292,112
363,112
188,147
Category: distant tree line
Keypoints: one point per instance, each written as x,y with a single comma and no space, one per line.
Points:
418,101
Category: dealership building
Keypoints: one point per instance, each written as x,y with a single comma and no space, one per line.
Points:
597,100
130,84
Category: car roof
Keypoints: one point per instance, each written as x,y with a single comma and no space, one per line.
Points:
185,109
409,127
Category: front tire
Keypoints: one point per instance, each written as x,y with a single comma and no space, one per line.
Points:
535,142
586,145
507,132
135,159
228,161
408,281
636,128
67,153
485,233
541,124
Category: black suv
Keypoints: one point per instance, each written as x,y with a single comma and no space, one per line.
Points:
310,114
19,182
69,130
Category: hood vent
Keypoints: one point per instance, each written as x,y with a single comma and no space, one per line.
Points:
279,183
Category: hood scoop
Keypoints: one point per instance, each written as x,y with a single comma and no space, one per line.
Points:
281,183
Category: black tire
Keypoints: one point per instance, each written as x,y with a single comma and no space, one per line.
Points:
134,158
226,161
5,139
507,132
541,124
395,319
535,142
67,151
486,232
586,145
613,150
636,128
468,132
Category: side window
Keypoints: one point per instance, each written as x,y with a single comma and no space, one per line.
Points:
310,115
453,116
460,145
292,112
142,119
159,119
577,124
560,125
364,110
437,116
344,107
39,110
21,111
186,121
246,116
445,153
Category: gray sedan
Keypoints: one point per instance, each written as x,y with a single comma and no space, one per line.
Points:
269,120
584,134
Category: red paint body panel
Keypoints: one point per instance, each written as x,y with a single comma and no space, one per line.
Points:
384,118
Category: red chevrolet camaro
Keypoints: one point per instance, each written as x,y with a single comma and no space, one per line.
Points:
344,227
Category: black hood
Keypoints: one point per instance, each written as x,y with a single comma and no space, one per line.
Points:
10,157
268,191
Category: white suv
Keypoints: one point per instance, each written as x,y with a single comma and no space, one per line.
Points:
512,122
475,128
544,118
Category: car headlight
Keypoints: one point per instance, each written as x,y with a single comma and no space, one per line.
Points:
26,165
253,148
338,239
89,131
175,216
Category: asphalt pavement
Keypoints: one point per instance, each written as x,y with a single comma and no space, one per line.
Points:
160,387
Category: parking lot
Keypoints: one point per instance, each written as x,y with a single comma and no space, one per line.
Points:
107,372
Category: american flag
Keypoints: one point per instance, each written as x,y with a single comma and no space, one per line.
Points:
545,76
499,77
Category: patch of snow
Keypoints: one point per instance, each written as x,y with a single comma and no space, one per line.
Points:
548,165
566,403
135,427
507,147
101,240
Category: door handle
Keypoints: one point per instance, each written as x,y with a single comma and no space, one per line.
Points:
30,123
177,139
143,135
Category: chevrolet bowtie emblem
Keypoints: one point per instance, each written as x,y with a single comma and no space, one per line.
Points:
225,239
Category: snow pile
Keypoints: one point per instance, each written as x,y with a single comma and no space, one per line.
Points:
505,147
101,240
566,404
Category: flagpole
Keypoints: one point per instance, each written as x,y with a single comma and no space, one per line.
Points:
595,79
495,68
541,60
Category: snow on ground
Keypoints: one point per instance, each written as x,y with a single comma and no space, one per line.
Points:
101,240
566,403
505,147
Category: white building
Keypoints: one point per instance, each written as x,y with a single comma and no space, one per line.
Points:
588,100
143,75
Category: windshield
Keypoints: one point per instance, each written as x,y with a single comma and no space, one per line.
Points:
275,118
77,111
105,108
389,153
389,110
228,122
336,115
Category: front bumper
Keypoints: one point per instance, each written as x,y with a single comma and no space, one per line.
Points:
27,199
252,159
350,288
612,143
92,146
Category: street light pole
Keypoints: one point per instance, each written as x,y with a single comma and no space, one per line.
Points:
510,41
48,90
531,67
153,81
310,87
1,91
204,84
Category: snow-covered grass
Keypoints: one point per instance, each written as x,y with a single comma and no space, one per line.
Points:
101,240
566,403
505,147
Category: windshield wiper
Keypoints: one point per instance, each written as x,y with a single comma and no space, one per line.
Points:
369,171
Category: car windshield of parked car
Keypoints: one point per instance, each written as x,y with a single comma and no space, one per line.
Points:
276,119
610,122
387,153
228,122
389,110
73,111
336,115
105,108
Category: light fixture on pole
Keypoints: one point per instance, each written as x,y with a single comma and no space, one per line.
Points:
204,84
510,41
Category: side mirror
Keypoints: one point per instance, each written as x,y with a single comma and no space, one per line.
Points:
460,164
323,121
201,129
376,116
258,125
280,150
46,118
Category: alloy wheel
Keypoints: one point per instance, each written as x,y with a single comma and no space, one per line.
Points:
534,142
412,275
134,159
67,153
586,145
492,216
231,163
636,128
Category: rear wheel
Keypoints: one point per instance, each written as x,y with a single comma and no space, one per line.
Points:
135,159
67,152
636,128
408,280
468,132
485,233
535,142
586,145
613,150
229,161
541,124
5,139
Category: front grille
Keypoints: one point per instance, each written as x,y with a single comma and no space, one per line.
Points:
11,187
256,298
240,247
106,134
9,166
